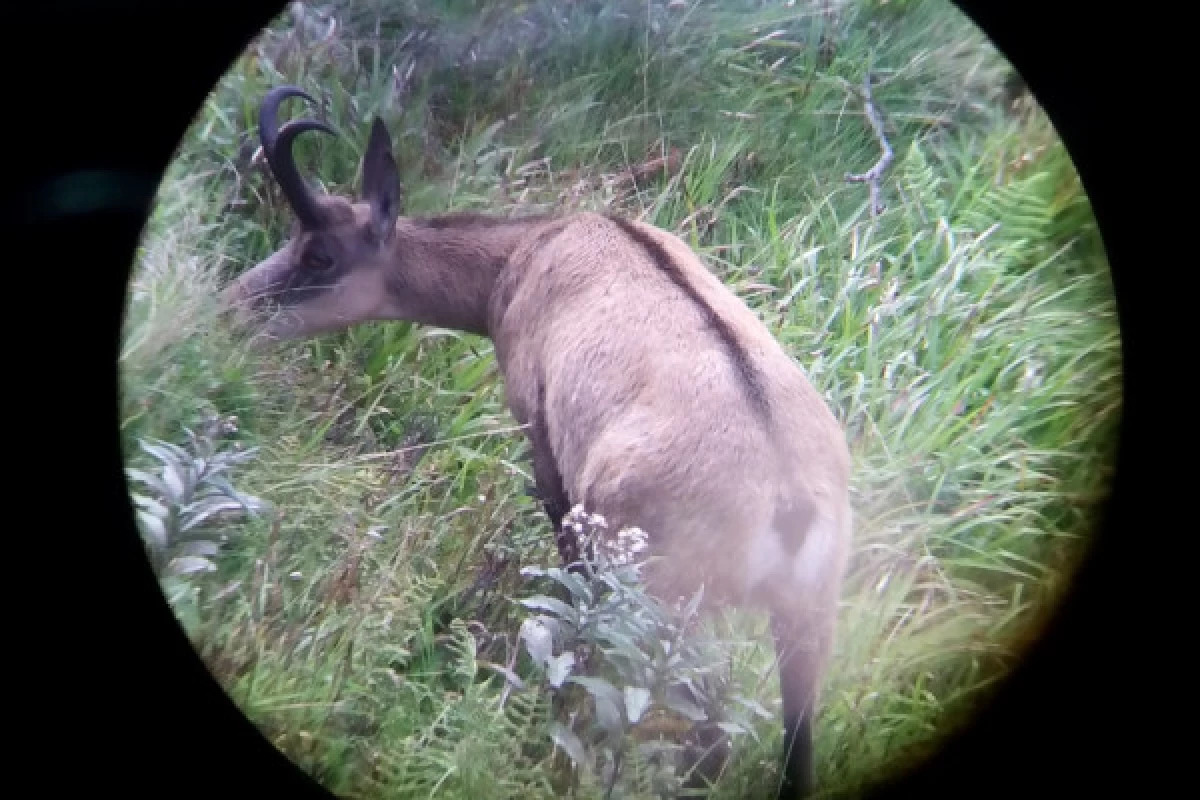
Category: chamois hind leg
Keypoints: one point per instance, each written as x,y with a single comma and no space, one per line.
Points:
552,493
801,649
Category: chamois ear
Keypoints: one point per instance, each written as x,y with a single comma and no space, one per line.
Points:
381,183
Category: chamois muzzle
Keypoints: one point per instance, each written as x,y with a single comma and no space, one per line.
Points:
250,302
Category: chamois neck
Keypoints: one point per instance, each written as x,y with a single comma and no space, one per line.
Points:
444,268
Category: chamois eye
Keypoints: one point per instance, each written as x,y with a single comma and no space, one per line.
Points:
317,259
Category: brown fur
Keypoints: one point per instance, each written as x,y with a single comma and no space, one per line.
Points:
653,395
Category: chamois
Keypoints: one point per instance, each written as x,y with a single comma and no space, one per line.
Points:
650,393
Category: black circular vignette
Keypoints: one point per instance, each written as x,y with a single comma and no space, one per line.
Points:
122,700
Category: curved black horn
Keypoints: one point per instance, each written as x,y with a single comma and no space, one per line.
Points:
277,147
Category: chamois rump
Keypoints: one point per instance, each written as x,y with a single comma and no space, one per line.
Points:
649,391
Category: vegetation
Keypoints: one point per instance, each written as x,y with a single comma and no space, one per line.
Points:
382,602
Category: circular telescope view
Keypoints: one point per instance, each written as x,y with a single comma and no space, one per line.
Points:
618,398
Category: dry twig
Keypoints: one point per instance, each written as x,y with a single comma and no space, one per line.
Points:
874,176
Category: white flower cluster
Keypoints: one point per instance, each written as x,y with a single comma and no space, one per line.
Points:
580,521
221,426
620,549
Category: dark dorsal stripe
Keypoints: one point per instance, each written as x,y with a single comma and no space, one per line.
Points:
751,379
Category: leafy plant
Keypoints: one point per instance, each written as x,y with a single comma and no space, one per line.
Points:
189,498
636,658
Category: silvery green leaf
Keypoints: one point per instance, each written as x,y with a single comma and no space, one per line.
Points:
199,547
154,527
732,728
746,725
622,645
577,587
564,737
141,476
656,650
538,639
613,581
559,667
155,450
637,700
532,572
194,516
687,681
253,505
574,584
186,565
553,624
677,701
151,505
206,491
165,452
221,485
232,457
543,603
690,610
508,674
244,455
176,590
206,498
216,466
256,505
227,590
181,455
607,699
754,706
636,624
173,481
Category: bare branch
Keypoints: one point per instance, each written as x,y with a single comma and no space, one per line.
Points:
874,176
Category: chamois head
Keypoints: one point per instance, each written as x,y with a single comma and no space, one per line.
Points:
332,272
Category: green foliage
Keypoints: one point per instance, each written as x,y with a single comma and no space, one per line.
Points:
183,507
631,656
186,508
966,338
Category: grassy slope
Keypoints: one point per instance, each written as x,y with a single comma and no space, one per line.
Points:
967,338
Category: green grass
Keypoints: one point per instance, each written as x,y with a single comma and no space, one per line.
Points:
966,338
